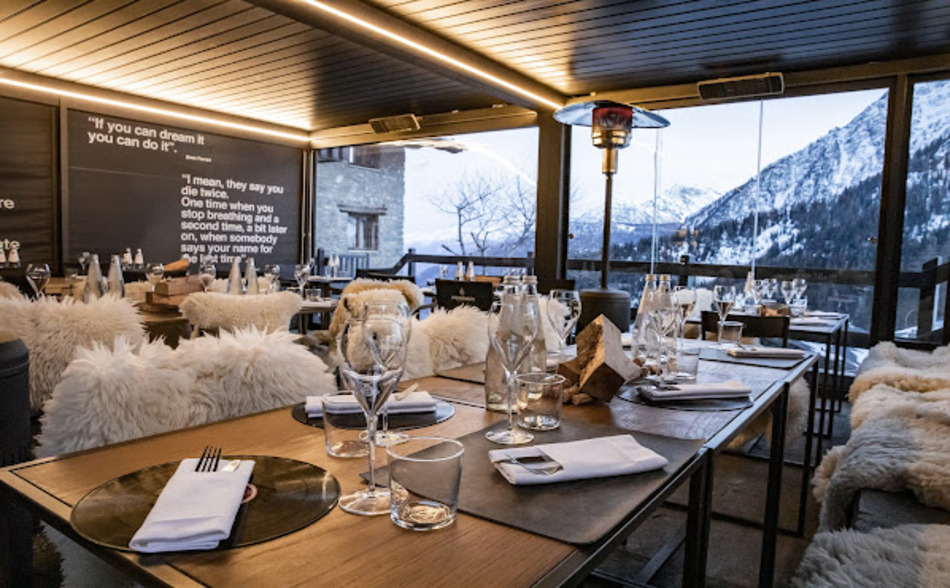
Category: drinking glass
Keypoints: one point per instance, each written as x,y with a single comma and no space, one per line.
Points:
397,311
84,258
37,274
724,297
664,320
207,274
301,274
563,310
800,285
788,291
771,288
512,328
272,272
362,342
154,272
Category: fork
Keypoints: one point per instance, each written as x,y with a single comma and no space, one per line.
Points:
209,460
540,469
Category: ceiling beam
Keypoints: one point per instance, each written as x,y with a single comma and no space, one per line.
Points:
385,33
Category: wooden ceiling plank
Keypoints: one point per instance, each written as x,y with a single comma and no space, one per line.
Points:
99,48
11,8
66,38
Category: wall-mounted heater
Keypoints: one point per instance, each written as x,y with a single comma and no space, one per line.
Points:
741,87
401,123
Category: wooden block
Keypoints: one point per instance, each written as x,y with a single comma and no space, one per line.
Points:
605,366
158,299
571,370
174,286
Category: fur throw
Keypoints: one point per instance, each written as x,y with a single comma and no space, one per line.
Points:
352,299
8,290
902,444
906,369
107,395
212,310
456,337
906,555
53,329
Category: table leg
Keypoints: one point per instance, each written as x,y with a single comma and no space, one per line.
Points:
773,497
697,524
807,460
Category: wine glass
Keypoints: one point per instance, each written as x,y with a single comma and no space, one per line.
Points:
207,272
724,297
512,328
154,272
771,286
397,311
685,299
563,310
272,272
800,285
301,274
37,274
84,258
363,342
788,291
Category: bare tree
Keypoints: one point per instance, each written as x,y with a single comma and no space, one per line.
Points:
474,202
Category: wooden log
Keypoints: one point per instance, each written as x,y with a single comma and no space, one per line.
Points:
605,366
175,286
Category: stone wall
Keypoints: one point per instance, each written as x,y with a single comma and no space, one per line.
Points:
343,186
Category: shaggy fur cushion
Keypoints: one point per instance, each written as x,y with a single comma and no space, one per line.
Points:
212,310
8,290
351,301
897,447
53,329
905,369
907,555
107,396
457,337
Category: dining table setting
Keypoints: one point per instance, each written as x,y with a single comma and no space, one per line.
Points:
396,482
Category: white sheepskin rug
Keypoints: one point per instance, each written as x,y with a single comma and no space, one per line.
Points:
455,338
52,330
8,290
905,369
903,444
107,395
912,556
353,297
213,310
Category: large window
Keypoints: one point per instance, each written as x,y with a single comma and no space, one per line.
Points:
463,195
810,202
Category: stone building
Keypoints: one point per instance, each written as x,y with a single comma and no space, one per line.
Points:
360,193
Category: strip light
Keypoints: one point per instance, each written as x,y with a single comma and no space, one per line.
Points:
160,111
433,53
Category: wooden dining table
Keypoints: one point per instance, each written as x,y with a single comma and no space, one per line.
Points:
342,549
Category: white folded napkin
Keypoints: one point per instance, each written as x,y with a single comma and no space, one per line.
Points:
347,404
774,352
824,313
811,320
727,389
195,510
626,339
589,458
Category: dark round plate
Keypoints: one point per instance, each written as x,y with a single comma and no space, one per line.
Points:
397,422
284,495
706,405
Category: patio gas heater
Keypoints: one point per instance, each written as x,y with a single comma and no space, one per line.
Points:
611,123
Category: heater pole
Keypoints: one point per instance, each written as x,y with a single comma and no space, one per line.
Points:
605,254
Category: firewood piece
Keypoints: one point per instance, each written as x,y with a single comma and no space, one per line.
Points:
605,366
571,370
175,286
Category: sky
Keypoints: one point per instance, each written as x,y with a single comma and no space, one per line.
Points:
710,146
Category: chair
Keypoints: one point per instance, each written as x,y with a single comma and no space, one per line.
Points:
14,400
382,275
763,327
450,294
216,311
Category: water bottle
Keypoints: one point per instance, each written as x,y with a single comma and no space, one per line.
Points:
470,272
536,362
235,286
94,288
459,272
496,388
116,282
126,258
250,277
139,260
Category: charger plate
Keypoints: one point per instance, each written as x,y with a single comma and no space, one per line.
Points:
284,495
397,422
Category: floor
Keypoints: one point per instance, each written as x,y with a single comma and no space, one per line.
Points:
733,557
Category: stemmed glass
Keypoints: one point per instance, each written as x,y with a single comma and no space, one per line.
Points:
563,310
272,272
37,274
799,285
512,328
685,299
154,272
788,291
207,273
397,311
771,286
84,258
363,342
301,274
724,297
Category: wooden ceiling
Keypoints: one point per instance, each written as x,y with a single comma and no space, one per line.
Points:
278,61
